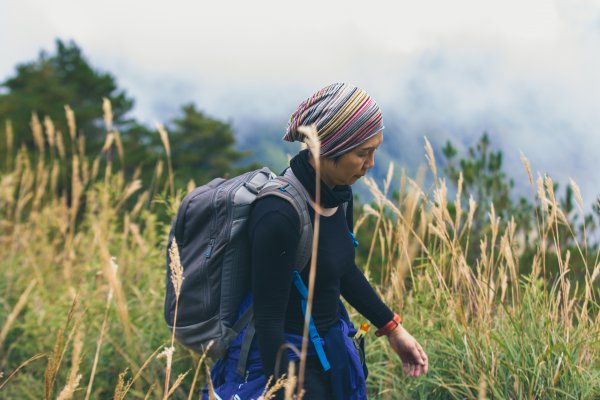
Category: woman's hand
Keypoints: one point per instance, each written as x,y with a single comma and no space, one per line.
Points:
410,351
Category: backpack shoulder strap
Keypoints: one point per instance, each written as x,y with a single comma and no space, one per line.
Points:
289,188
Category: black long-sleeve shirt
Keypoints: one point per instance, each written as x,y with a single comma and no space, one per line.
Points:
274,230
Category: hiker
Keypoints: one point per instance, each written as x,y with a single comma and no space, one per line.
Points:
349,126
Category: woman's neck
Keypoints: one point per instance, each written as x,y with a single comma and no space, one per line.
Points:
324,177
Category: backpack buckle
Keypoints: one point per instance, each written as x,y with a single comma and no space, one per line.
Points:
253,188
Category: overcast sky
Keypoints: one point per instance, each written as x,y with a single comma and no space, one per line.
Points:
527,71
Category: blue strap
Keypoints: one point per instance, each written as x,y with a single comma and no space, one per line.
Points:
312,329
354,241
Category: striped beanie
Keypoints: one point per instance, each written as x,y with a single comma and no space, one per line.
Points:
345,117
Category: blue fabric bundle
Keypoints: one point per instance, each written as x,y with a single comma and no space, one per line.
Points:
347,373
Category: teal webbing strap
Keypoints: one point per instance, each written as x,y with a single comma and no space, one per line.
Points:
312,329
354,241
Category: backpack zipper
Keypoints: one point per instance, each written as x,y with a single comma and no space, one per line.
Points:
205,273
213,228
210,248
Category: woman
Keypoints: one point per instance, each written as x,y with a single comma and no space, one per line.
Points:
349,125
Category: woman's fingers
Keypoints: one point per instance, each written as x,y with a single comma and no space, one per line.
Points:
418,365
413,370
423,369
418,355
425,364
414,360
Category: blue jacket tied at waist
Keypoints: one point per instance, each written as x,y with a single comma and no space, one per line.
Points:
347,374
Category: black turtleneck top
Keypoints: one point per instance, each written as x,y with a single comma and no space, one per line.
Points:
274,231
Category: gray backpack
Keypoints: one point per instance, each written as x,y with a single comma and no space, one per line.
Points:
210,231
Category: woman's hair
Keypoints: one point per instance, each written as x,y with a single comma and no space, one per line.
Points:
345,117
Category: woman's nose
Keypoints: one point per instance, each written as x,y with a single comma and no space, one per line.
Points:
370,163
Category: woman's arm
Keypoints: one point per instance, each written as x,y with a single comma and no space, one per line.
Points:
361,295
357,290
274,235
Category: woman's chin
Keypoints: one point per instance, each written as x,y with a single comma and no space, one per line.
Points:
354,179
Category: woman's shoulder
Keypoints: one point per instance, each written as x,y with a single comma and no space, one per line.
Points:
273,209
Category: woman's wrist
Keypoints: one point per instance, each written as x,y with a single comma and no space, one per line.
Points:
390,326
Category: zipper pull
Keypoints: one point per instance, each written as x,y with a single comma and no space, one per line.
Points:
210,248
364,328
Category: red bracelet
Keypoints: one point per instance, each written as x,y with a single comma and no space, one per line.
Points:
390,326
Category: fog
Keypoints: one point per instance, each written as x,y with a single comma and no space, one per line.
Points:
527,72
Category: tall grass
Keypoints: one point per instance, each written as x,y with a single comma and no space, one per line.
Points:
311,139
491,331
66,220
74,325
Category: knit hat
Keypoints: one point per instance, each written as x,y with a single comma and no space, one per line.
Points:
345,117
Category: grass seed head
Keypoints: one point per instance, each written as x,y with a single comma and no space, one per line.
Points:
311,138
388,179
131,188
81,146
60,145
525,162
114,268
176,267
577,193
159,169
110,138
191,185
38,135
71,122
541,192
120,389
369,210
595,273
167,354
69,389
472,207
10,136
430,158
177,383
549,185
272,390
457,201
164,137
108,115
50,130
119,144
290,384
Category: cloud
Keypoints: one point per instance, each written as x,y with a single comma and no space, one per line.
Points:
540,99
527,72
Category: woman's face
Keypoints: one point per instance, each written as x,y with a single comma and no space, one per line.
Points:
352,165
